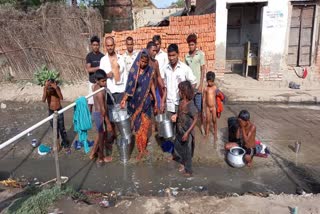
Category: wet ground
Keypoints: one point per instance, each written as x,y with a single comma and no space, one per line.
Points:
278,126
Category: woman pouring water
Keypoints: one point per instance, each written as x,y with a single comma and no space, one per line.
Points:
141,97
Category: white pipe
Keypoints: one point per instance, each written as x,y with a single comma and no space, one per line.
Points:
8,142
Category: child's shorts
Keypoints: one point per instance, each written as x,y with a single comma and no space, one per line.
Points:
98,120
250,151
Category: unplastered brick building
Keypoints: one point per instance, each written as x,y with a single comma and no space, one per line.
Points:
176,32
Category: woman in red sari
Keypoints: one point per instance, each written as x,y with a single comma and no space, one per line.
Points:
141,97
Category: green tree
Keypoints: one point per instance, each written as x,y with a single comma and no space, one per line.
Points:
25,4
180,3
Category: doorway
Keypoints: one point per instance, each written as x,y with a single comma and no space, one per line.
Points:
244,25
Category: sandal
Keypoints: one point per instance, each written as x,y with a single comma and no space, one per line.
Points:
68,151
187,174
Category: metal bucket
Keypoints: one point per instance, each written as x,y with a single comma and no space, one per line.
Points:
124,127
161,117
122,120
124,149
166,129
118,113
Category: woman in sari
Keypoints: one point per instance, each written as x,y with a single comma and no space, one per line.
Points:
141,97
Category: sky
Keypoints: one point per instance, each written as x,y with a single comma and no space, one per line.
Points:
163,3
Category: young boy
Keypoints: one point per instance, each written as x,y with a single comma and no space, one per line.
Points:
100,117
53,95
248,131
209,104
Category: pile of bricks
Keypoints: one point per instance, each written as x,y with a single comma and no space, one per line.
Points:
176,32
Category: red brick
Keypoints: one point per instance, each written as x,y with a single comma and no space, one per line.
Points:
177,32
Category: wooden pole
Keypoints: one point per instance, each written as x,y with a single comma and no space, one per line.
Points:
55,146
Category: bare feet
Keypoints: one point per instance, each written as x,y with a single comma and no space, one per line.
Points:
139,156
169,158
181,168
100,161
107,159
92,156
146,152
249,164
215,138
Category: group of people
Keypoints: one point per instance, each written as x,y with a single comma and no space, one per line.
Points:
149,82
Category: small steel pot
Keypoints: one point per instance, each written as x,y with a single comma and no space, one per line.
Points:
235,157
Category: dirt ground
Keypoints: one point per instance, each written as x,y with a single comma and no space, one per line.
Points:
274,204
28,92
279,126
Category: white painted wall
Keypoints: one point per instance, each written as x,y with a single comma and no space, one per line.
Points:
273,35
273,41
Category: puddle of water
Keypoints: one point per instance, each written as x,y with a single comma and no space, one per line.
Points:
140,179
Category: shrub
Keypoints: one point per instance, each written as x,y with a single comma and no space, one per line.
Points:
43,74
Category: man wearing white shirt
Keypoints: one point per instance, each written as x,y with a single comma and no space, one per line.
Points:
161,56
130,55
114,66
173,73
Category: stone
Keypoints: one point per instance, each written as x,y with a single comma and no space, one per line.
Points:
7,131
3,106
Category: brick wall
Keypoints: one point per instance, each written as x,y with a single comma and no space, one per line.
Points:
176,32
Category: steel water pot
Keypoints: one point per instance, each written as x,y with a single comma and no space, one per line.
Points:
235,157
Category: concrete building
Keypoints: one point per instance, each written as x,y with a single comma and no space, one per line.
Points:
151,16
118,15
283,34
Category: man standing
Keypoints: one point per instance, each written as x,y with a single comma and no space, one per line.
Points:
161,56
173,73
114,66
159,84
195,59
130,55
92,65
